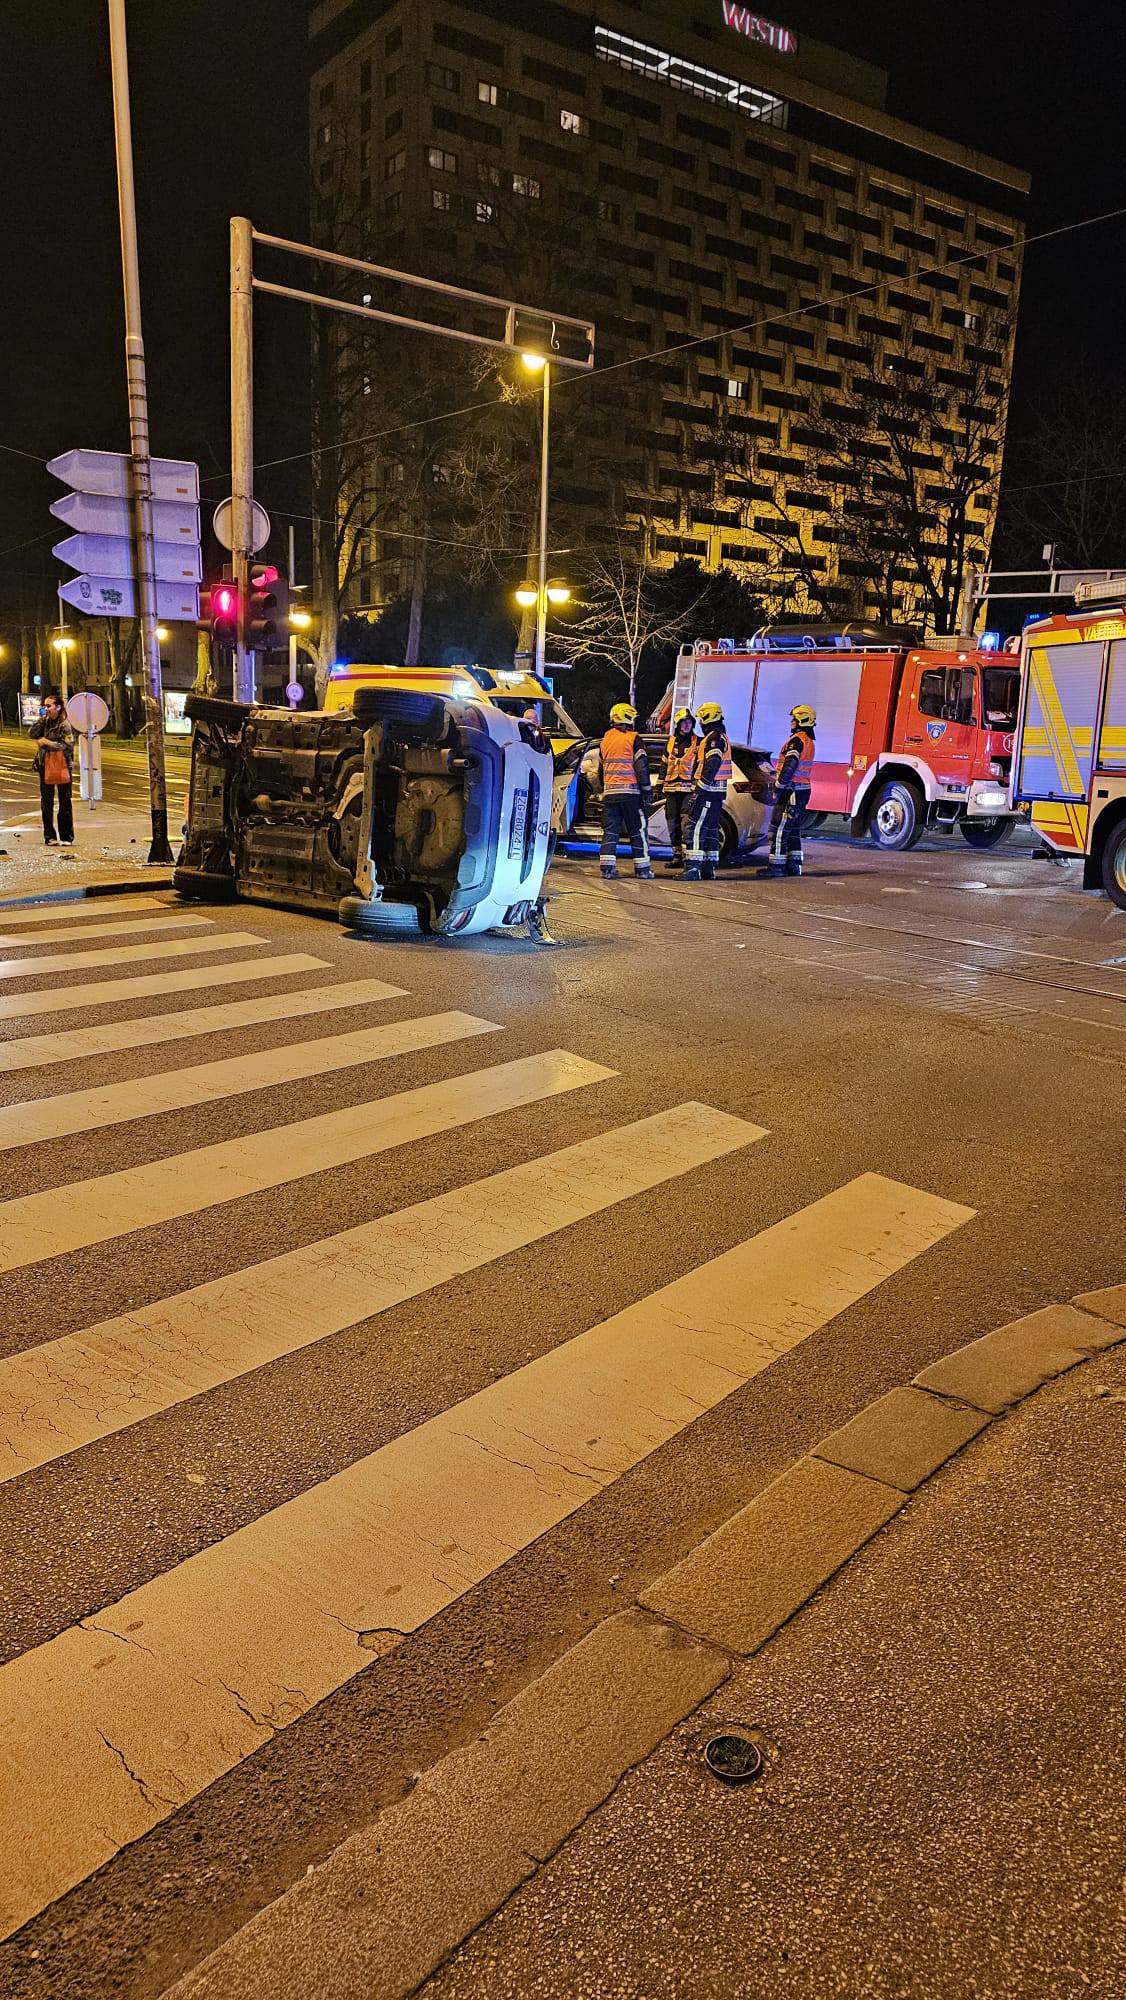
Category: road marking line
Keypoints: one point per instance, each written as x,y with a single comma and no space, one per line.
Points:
114,1724
114,992
67,1392
36,1226
125,954
68,1045
165,921
90,906
45,1118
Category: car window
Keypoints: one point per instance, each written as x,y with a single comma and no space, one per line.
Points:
1001,692
947,693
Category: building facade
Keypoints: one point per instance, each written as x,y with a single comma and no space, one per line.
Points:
781,273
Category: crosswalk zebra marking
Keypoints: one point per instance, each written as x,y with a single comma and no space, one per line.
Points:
120,1719
80,906
65,1393
40,1119
109,1037
120,927
147,985
125,954
36,1226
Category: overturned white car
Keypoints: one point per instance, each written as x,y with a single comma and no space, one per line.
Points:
414,812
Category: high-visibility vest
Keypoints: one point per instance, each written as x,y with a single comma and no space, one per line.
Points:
618,774
680,763
803,769
716,739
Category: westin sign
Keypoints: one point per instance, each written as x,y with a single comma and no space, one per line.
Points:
758,29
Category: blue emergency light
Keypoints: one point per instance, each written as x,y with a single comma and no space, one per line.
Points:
990,642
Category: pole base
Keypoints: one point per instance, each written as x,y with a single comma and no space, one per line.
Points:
160,853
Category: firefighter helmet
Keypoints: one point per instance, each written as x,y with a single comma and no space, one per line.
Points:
623,714
683,715
803,717
709,713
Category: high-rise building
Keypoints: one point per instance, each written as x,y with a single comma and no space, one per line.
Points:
809,304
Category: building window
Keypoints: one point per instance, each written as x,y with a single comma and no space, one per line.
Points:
394,41
391,83
441,78
392,204
645,60
486,93
488,176
367,385
365,189
439,198
392,124
324,172
609,211
394,164
736,390
484,210
365,75
324,135
326,94
572,121
441,161
365,115
525,185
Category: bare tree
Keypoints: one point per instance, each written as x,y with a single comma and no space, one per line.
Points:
623,607
1066,478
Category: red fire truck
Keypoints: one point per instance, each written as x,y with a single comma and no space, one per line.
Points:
907,735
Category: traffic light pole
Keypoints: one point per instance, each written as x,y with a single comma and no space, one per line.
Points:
140,480
242,439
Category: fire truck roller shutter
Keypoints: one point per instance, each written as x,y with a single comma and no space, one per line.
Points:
832,687
730,681
1112,738
1058,742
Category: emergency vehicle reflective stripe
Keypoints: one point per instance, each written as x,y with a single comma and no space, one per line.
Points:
680,765
1055,722
721,777
618,774
803,770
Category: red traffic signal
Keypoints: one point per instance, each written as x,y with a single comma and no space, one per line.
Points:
267,610
224,613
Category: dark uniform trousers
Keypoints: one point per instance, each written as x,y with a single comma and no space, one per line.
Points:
705,814
787,816
623,819
677,806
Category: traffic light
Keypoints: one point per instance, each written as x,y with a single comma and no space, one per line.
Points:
224,613
267,623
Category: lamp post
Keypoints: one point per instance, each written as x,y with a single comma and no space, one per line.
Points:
541,594
537,362
64,645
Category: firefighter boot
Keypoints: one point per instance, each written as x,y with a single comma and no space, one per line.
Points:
643,872
609,871
692,872
707,870
676,865
768,874
792,868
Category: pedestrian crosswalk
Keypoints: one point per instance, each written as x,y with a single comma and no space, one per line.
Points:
114,1721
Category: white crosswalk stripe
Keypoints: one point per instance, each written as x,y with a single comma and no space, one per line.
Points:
108,1727
80,906
117,927
126,954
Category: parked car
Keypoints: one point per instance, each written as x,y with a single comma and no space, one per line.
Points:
410,811
745,810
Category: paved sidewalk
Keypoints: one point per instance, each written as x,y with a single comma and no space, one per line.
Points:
110,849
939,1816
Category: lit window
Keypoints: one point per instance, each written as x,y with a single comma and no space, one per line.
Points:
609,211
440,474
441,161
736,390
969,320
525,185
397,471
393,165
486,93
663,67
572,121
439,198
488,176
484,211
367,385
324,135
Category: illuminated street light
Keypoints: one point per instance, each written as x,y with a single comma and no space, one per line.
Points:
533,360
527,594
301,620
64,643
558,593
163,634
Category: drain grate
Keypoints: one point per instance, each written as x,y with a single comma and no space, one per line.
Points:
733,1758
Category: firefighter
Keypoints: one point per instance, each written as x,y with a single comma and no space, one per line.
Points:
680,772
793,776
626,793
713,770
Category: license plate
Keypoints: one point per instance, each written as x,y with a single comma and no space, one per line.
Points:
519,822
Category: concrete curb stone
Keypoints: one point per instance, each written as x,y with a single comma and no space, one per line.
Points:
902,1438
135,886
1005,1366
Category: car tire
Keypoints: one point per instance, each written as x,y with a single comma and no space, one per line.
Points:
1114,864
728,842
986,832
381,919
814,822
213,708
203,885
896,819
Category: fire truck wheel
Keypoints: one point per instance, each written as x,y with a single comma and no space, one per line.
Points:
1114,865
896,820
814,822
986,832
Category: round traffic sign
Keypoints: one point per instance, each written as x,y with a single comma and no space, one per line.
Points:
294,692
87,711
222,520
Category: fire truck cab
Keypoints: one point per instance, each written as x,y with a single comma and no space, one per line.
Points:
907,735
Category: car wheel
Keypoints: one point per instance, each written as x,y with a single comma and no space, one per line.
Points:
212,708
986,832
728,842
202,885
380,919
1114,865
896,820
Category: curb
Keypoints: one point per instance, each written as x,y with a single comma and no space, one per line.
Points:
489,1815
131,888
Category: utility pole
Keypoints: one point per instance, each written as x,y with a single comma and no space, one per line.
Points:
292,633
242,439
541,564
140,480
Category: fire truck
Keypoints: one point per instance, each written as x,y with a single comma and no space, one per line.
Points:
908,736
1070,758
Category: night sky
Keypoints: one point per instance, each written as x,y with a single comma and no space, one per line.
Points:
219,127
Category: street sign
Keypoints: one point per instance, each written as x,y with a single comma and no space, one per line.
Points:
116,597
294,693
222,523
102,549
108,472
87,711
103,514
112,555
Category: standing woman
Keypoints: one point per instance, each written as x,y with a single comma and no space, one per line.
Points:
54,761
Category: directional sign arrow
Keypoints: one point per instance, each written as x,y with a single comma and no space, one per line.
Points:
101,514
116,597
112,555
108,472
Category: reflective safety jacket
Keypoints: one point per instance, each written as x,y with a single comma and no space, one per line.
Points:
794,769
625,767
713,766
680,763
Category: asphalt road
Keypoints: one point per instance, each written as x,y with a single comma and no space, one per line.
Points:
949,1020
124,780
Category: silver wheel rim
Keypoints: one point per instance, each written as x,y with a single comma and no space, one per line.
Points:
891,816
1120,867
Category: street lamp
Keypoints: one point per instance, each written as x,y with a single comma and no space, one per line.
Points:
301,620
537,362
64,646
163,634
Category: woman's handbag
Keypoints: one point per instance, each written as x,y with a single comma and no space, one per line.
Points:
56,770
